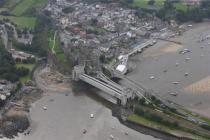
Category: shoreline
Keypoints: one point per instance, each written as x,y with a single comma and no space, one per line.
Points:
57,100
15,117
139,128
145,129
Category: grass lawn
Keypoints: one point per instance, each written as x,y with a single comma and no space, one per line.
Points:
183,7
144,3
28,66
27,77
21,7
40,3
180,6
141,120
138,119
18,7
24,5
22,22
24,79
54,46
100,30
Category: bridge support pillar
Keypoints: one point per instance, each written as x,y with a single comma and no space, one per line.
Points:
123,100
77,71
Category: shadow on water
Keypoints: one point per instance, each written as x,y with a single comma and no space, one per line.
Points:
81,88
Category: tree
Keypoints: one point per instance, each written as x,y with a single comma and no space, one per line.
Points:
153,98
102,58
139,111
205,3
208,13
151,2
10,77
181,16
168,4
22,71
196,14
67,10
142,101
129,1
94,21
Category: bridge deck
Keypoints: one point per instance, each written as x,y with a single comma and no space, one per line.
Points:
103,86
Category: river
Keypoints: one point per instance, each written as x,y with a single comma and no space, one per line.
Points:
68,114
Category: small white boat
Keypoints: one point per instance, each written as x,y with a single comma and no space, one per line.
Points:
173,94
91,116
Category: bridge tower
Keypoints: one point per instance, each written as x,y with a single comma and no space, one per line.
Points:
123,100
77,71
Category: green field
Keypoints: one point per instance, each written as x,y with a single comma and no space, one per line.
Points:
183,7
21,7
24,79
158,3
22,22
144,3
24,5
40,3
180,6
17,8
140,120
28,66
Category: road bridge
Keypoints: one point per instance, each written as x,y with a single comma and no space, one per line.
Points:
176,42
103,83
139,48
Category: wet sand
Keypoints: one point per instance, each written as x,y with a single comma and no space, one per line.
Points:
193,90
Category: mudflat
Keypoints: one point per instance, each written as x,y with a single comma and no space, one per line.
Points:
191,70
